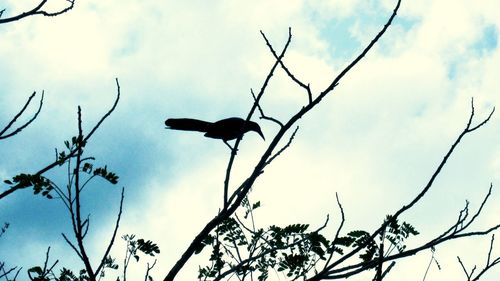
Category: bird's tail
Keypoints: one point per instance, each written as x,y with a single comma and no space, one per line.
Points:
187,124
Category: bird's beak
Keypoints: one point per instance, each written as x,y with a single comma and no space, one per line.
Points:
261,134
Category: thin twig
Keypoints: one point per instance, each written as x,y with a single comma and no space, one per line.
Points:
72,246
284,147
20,128
463,267
342,220
117,224
37,11
480,207
6,272
290,74
148,269
429,265
262,115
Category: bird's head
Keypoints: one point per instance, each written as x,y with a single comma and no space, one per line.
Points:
252,126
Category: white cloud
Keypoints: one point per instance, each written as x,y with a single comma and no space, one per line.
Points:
375,140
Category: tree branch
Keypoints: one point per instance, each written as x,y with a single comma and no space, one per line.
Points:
38,10
290,74
20,128
422,192
78,232
72,153
110,245
350,270
254,106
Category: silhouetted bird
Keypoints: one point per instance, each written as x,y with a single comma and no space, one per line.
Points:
225,129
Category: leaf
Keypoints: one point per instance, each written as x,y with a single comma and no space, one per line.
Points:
36,269
7,182
256,205
148,247
87,167
357,233
344,241
109,176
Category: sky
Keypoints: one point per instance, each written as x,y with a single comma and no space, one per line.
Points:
375,140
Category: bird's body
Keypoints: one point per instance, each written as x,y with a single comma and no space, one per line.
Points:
225,129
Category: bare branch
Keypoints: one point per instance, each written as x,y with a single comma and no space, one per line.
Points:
254,106
430,263
339,77
20,128
472,114
38,10
290,74
283,148
117,224
480,207
5,273
118,92
72,246
465,270
262,115
342,217
148,269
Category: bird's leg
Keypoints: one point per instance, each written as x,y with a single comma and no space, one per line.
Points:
230,147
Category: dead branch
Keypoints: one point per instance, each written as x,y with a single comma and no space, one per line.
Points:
38,10
290,74
110,244
489,264
262,115
19,114
283,148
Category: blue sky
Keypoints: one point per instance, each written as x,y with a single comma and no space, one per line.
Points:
375,140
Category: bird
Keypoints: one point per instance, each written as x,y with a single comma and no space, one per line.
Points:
225,129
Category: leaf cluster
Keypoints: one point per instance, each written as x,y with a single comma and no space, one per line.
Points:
237,249
41,185
147,247
64,275
293,250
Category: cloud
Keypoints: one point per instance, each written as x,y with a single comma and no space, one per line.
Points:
375,140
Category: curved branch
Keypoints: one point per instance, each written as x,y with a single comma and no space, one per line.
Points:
110,245
20,128
38,10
